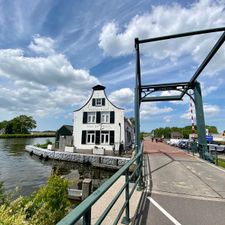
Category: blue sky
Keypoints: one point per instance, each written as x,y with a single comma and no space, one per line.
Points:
53,52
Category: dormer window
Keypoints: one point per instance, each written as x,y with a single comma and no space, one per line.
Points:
98,102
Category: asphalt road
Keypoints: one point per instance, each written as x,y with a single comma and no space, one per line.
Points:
181,189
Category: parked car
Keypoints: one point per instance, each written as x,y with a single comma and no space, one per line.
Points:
183,145
175,142
218,148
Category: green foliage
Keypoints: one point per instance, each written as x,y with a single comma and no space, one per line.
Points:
221,163
2,196
46,206
184,131
45,145
19,125
212,129
27,135
3,124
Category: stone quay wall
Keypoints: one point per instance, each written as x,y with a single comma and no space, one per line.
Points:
96,160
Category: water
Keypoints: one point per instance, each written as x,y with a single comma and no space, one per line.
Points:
19,169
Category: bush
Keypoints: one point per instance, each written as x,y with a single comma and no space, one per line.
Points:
46,206
45,145
2,196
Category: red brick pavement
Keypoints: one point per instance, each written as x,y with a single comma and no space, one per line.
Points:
162,148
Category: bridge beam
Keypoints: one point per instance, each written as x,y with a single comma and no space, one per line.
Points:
200,119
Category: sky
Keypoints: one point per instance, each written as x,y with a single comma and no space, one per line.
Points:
53,52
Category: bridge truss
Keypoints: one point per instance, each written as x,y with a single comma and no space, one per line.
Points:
143,92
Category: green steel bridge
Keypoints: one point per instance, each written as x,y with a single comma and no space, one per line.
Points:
143,94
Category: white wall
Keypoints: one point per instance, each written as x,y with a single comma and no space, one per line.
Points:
79,126
128,128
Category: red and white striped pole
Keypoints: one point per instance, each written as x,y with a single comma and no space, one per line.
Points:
192,120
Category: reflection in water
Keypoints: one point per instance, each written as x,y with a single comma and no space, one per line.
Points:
19,169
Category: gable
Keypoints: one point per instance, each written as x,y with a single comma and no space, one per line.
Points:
98,99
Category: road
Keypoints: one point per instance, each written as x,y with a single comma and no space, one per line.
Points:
181,189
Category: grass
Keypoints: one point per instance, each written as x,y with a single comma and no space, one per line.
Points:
221,163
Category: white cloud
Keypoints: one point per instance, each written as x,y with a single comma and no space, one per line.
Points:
39,100
167,118
122,96
52,70
42,45
209,110
187,116
42,86
163,20
149,110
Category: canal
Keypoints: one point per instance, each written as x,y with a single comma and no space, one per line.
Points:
27,173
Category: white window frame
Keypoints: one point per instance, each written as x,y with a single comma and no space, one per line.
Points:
105,117
91,117
90,138
98,101
104,138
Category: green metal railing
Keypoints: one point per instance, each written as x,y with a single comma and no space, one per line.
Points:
207,154
84,209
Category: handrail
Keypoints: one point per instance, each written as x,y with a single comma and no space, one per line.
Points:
84,208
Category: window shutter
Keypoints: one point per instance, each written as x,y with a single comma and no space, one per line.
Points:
112,117
83,138
111,140
97,137
98,117
84,117
93,101
103,101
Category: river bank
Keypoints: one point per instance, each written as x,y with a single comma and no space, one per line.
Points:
110,162
19,169
36,135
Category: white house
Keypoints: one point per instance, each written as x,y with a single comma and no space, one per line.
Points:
100,127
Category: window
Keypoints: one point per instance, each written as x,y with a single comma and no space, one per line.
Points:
105,117
90,137
91,117
105,137
98,102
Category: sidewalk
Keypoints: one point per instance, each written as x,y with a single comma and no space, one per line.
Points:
103,202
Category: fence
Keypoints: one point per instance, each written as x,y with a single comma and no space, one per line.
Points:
84,209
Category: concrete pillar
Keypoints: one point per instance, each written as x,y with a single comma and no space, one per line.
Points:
86,188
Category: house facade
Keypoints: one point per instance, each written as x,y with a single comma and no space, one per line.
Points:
100,127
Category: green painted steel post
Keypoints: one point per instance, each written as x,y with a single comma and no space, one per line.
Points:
200,120
87,218
137,98
137,108
126,219
216,156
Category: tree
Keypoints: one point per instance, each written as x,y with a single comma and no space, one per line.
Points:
3,124
185,131
19,125
23,124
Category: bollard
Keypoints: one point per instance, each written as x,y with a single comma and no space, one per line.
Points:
86,188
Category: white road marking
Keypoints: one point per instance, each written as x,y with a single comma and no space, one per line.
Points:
188,196
171,218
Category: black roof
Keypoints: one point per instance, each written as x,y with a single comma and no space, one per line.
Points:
98,87
69,127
